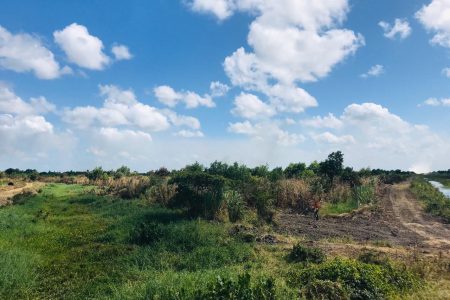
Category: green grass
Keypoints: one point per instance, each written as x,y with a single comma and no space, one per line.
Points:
67,243
338,208
435,202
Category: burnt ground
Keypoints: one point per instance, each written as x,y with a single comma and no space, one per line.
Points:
397,220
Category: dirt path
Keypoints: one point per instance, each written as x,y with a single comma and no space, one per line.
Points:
6,195
411,214
398,220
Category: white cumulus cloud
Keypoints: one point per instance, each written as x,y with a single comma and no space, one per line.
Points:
251,107
121,52
82,48
374,71
24,52
400,29
435,17
168,96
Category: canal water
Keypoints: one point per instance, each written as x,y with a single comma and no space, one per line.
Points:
441,187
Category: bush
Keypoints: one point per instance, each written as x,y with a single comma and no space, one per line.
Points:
162,193
21,198
324,290
228,289
199,192
97,174
360,280
300,254
235,206
147,233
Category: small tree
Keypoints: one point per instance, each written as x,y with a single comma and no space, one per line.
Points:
332,167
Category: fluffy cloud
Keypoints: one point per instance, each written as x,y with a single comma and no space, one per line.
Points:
222,9
251,107
121,52
435,17
10,103
26,136
446,72
436,102
81,47
168,96
400,29
189,133
23,52
328,137
329,121
374,71
218,89
120,107
267,132
371,135
292,41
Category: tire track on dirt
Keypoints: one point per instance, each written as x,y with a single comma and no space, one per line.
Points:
411,214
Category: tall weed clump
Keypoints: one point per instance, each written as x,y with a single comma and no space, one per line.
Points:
293,193
235,205
199,192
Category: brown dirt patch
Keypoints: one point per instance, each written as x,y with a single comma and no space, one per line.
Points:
398,220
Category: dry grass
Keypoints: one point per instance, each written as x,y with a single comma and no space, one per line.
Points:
293,193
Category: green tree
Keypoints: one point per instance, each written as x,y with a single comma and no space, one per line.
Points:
332,166
294,170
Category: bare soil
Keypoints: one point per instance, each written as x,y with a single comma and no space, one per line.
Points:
8,192
397,220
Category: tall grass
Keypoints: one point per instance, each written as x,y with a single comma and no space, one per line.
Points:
435,202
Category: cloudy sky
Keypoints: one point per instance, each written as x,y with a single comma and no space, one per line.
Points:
169,82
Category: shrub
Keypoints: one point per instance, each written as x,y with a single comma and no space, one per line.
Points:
21,198
162,193
300,253
97,174
200,192
228,289
360,280
373,257
324,290
263,198
235,206
147,233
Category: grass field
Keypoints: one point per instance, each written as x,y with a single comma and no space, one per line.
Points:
68,243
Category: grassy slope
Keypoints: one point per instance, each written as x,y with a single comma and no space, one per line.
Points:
67,243
435,202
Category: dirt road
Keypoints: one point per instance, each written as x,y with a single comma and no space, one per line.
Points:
398,219
409,211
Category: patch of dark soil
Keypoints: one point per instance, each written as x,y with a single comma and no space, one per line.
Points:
379,224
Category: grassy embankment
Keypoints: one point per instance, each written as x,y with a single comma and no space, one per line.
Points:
435,202
68,243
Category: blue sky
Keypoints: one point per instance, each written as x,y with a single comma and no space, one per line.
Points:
111,83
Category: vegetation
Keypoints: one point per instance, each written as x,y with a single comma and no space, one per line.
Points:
435,202
195,233
300,253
